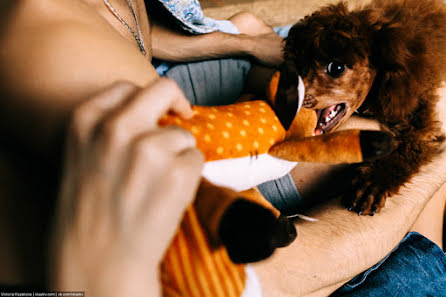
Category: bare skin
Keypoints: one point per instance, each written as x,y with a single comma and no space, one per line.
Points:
113,149
39,88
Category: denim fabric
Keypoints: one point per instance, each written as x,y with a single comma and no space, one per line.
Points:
416,268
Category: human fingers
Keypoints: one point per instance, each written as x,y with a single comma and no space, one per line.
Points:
88,114
141,114
84,119
151,155
163,212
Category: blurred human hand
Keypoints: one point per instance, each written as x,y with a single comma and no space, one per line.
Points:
125,187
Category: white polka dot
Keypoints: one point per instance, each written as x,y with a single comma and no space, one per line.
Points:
242,132
271,141
274,127
247,112
263,120
239,147
195,130
207,138
212,116
210,126
245,122
230,114
256,144
260,130
220,150
225,134
229,124
262,110
247,106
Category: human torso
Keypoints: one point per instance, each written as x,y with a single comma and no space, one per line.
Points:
23,203
122,8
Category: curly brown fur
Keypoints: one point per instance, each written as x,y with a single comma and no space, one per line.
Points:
394,54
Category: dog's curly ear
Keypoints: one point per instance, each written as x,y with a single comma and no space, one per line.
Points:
399,58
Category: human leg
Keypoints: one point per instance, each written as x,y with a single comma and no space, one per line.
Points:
213,82
247,23
430,221
416,268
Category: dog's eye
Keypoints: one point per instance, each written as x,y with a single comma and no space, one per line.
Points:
335,69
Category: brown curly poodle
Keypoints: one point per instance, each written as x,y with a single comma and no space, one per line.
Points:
385,60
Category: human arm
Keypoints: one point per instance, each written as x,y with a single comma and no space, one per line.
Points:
330,252
125,186
256,40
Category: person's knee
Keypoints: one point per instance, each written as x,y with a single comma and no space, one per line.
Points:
248,23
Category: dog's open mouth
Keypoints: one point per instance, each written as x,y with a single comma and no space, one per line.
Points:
329,117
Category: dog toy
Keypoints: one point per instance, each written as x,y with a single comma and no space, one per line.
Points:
230,223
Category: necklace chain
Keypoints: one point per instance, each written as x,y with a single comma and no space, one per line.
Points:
138,37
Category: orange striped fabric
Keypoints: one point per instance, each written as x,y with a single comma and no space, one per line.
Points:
191,268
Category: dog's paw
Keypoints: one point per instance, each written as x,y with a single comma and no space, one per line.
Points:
367,196
251,233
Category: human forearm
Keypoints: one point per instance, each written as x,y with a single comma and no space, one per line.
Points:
342,244
175,46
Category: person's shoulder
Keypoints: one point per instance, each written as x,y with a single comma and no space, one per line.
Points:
27,12
40,23
68,44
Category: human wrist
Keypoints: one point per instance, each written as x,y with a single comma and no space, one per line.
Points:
246,45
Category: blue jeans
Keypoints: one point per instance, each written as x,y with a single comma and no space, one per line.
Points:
416,268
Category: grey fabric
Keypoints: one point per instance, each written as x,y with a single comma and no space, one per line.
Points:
282,193
213,82
220,82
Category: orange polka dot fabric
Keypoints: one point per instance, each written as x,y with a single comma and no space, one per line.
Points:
232,131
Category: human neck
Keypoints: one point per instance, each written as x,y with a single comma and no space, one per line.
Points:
126,13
